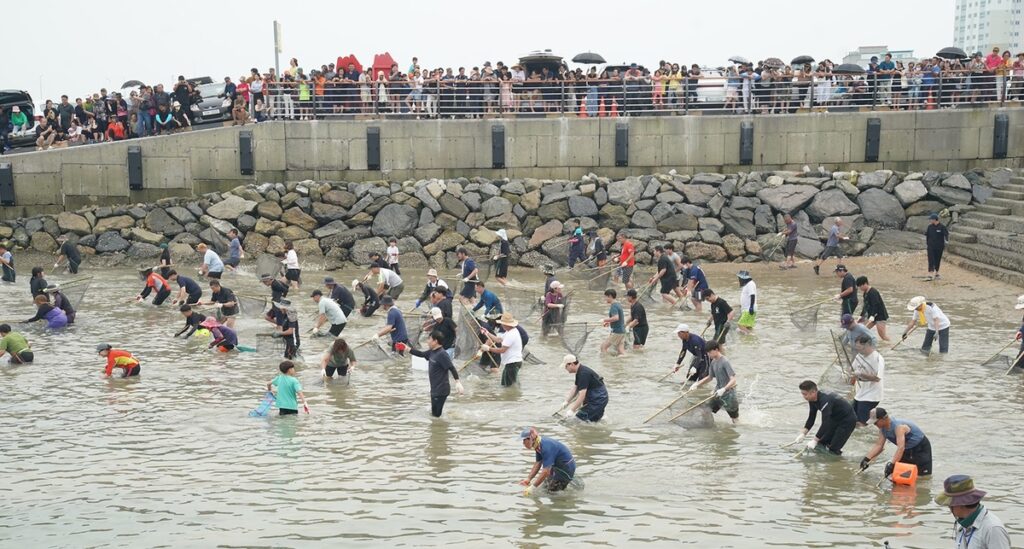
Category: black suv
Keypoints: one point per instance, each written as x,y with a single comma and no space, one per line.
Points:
21,99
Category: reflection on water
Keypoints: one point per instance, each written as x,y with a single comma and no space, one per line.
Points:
173,455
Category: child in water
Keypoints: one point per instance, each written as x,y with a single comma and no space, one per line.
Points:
286,388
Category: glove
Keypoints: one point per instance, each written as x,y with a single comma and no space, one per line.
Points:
375,339
864,463
568,413
458,387
691,372
888,469
527,491
400,347
275,334
465,279
904,337
485,348
838,297
720,392
812,444
323,373
55,265
799,438
418,301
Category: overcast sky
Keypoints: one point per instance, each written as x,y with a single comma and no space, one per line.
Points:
102,45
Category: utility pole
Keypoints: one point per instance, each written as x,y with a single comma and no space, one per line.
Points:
277,48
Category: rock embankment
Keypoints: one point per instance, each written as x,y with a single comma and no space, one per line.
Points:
709,216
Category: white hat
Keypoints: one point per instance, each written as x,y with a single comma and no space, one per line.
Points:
436,313
556,285
569,359
1020,303
442,284
501,234
915,303
432,272
682,328
355,284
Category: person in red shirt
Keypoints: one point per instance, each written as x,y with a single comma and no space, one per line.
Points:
115,130
627,260
154,283
117,358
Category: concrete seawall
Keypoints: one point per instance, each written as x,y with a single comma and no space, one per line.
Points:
193,163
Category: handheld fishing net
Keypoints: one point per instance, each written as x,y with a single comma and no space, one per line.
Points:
467,337
698,418
373,352
522,303
834,379
267,343
251,305
75,290
772,247
268,264
806,319
574,336
601,280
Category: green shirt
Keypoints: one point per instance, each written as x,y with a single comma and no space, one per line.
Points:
342,360
14,343
287,389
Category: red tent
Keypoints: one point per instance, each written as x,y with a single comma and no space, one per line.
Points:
343,63
382,63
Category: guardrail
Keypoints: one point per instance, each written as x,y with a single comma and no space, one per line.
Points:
765,94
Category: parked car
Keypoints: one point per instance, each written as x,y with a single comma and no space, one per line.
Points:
212,106
21,99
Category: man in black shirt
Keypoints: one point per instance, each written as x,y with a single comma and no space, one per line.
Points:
340,294
666,275
837,419
226,301
445,326
70,252
439,365
439,298
588,397
637,320
936,236
187,287
278,289
192,321
847,295
721,314
287,328
873,313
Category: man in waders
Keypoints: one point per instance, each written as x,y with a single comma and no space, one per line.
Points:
589,396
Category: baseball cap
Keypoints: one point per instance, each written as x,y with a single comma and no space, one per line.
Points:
839,267
329,280
525,433
933,216
682,328
877,414
436,313
569,359
846,319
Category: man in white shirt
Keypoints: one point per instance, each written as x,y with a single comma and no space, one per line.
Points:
510,348
868,371
931,316
748,302
330,312
212,266
388,282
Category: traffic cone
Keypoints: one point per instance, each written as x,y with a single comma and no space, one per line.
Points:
600,109
929,105
615,108
583,108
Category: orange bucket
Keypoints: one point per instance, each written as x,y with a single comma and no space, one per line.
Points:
904,473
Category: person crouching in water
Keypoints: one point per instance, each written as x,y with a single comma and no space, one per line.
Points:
224,338
154,283
54,317
118,358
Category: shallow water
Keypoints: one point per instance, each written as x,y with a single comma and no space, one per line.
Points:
172,459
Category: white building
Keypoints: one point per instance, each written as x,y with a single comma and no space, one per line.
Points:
862,55
980,25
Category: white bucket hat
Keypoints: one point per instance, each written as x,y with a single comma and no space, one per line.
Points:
915,302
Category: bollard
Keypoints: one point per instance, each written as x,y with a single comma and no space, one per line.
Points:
134,167
373,148
1001,136
245,153
873,140
498,146
621,144
746,143
6,184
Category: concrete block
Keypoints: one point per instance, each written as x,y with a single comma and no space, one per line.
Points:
896,145
521,152
166,173
38,189
96,179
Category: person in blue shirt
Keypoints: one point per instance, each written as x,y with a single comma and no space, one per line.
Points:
912,446
189,291
7,264
831,245
469,275
616,320
488,301
885,71
577,247
235,253
212,266
695,345
696,283
394,326
554,466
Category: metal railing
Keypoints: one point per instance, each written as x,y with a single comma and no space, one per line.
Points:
765,94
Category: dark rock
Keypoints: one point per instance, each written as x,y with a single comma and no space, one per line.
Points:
159,221
341,198
195,209
909,192
764,222
950,195
557,210
678,222
738,222
246,223
88,240
453,206
888,242
699,195
495,206
110,242
330,229
788,198
881,209
214,239
142,250
745,203
472,200
625,192
707,178
581,206
427,233
830,203
924,207
981,193
395,220
601,197
345,239
643,220
957,181
325,213
181,215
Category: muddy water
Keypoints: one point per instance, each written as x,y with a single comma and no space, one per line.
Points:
171,458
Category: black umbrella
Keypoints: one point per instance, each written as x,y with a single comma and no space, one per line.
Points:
131,83
774,63
739,60
952,53
589,58
802,60
849,68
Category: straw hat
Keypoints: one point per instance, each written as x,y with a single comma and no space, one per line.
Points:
1020,303
959,490
915,302
432,272
508,320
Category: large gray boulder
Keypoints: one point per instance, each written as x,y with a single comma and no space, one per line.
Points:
330,229
428,200
110,242
142,250
873,180
830,203
764,221
231,207
453,206
950,195
181,215
643,220
73,223
881,209
699,194
909,192
625,192
888,242
395,220
738,222
957,181
787,198
495,206
681,221
361,249
582,206
159,221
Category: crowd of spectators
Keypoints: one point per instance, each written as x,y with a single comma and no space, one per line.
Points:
765,87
